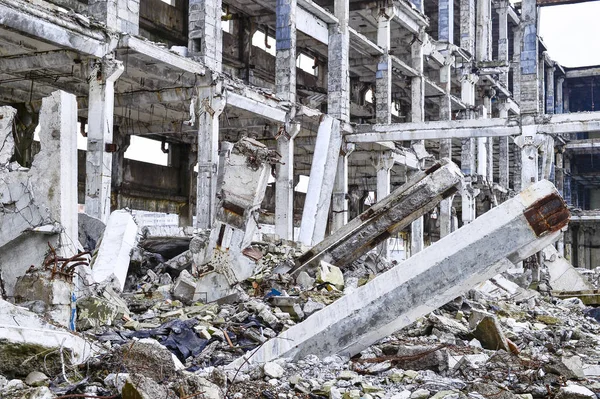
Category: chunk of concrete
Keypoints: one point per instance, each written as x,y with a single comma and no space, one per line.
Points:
23,335
328,273
184,287
90,231
489,245
563,276
489,333
55,293
114,254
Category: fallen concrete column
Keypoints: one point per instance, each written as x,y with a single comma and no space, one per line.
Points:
429,279
114,254
241,188
388,216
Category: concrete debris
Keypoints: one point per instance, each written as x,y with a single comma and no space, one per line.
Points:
91,230
329,274
112,261
563,276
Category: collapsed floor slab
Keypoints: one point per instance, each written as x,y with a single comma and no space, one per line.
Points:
476,252
396,211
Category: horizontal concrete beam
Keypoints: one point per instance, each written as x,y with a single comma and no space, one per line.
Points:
362,44
448,268
311,25
33,61
161,54
569,123
259,108
388,216
408,17
583,72
434,130
318,11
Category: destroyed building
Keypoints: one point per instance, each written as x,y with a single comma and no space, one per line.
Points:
449,163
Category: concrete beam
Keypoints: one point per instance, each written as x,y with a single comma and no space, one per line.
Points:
388,216
474,253
583,72
409,18
35,21
318,11
30,62
434,130
259,108
312,25
569,123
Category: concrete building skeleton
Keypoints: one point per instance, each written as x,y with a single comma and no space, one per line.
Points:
393,85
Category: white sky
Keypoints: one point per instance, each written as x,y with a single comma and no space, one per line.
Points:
572,33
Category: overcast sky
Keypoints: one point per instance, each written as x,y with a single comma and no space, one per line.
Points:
572,33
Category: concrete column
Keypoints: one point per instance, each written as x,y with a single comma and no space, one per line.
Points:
503,151
467,25
502,11
482,149
383,164
446,21
210,105
321,181
445,217
566,98
285,63
516,63
120,15
529,142
426,281
338,75
489,144
581,247
182,158
122,141
340,205
284,185
468,158
338,106
100,134
529,90
57,166
559,172
417,115
558,109
550,89
205,36
383,76
483,51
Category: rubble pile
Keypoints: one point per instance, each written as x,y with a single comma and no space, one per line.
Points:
156,340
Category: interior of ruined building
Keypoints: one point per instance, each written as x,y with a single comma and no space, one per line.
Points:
251,99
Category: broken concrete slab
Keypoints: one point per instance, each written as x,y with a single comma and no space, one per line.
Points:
25,339
242,184
114,254
388,216
508,233
563,276
489,333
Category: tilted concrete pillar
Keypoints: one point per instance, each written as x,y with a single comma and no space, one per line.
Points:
209,105
448,268
284,184
339,204
205,36
416,197
98,165
321,181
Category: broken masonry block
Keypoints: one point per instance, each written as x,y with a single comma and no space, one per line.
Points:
448,268
184,287
227,259
384,219
30,343
114,254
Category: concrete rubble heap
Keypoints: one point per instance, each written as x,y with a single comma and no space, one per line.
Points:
350,199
